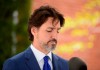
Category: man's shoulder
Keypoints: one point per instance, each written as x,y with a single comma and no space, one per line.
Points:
63,63
15,61
18,57
60,58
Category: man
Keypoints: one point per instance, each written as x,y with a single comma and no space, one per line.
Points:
43,28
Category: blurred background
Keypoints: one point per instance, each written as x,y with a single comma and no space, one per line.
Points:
79,37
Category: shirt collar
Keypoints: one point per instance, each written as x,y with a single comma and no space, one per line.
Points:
39,55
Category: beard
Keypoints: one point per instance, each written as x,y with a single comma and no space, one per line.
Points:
50,45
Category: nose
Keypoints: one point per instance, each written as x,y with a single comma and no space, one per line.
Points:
54,35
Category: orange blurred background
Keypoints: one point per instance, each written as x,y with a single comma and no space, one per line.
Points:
80,35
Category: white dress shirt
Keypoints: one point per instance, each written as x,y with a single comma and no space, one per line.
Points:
39,57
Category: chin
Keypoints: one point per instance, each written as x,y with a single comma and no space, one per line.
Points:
51,48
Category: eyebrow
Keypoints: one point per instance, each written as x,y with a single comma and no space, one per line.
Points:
53,28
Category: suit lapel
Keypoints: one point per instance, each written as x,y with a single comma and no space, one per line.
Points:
31,60
55,62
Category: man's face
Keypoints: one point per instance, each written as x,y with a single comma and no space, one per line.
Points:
46,35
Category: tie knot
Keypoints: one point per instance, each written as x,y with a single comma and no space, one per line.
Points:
46,58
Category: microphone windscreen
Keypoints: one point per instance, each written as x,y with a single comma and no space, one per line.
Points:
76,63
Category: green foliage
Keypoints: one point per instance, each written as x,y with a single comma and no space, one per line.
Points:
7,7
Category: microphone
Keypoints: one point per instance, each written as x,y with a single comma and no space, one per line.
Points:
76,63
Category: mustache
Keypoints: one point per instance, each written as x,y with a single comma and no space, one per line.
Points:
52,40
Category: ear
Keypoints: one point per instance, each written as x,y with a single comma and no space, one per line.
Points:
34,31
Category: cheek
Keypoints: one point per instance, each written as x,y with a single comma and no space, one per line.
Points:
44,37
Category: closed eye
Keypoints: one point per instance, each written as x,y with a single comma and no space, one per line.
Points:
48,31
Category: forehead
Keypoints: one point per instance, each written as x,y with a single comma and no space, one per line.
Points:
51,22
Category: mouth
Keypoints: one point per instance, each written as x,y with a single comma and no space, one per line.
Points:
52,42
51,45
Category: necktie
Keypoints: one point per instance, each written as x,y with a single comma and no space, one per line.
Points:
46,64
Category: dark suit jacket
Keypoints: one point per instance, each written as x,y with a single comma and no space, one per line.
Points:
27,61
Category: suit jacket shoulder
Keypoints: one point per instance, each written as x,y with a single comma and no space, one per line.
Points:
14,62
61,64
22,61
